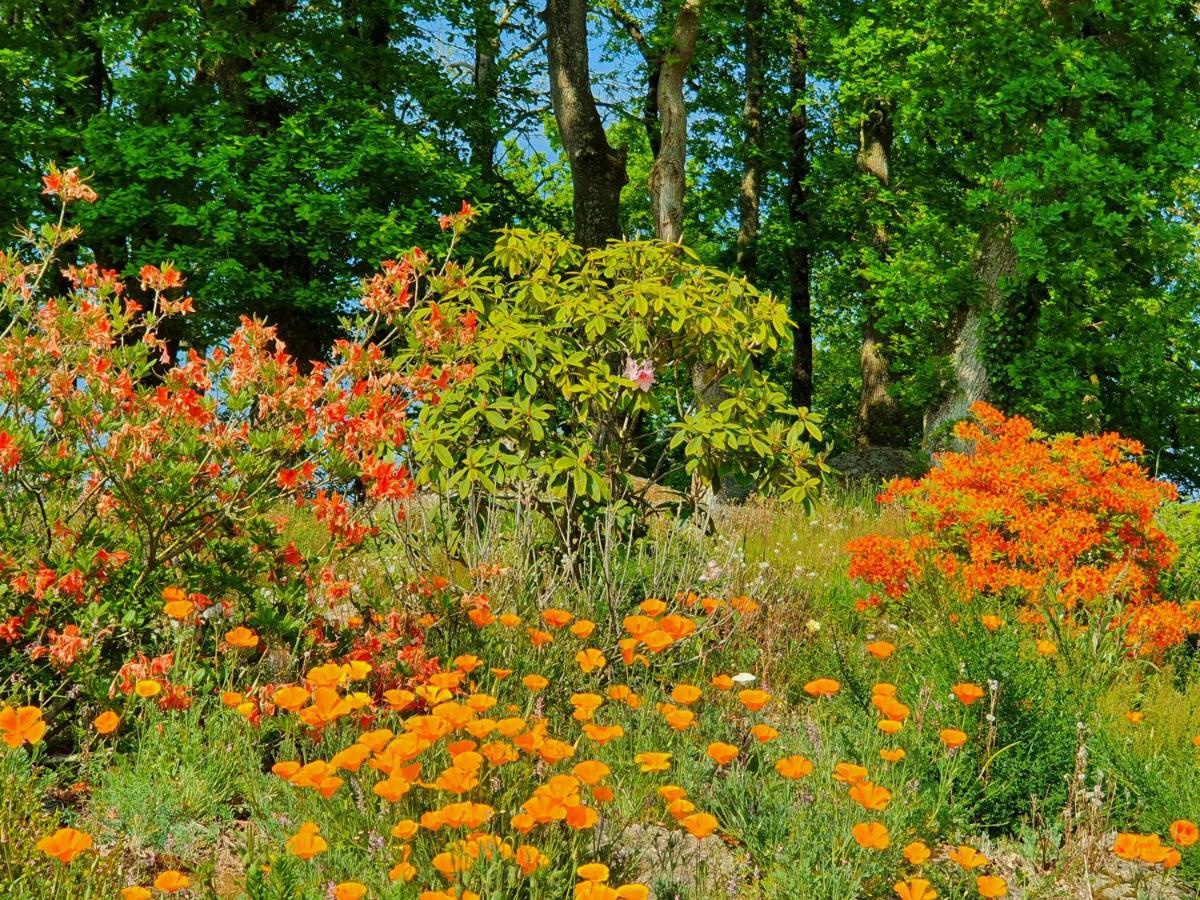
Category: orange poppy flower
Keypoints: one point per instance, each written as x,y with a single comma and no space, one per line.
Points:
794,767
405,829
823,687
870,796
65,844
991,886
849,773
590,660
529,859
593,872
106,722
633,892
653,607
178,609
307,842
147,688
721,753
889,726
653,762
557,618
242,638
291,697
583,629
991,623
590,771
687,694
603,734
881,649
171,880
349,890
1135,716
699,825
1046,648
1184,833
20,725
764,733
135,892
968,857
952,737
722,682
753,699
679,719
535,682
914,889
968,693
916,853
892,754
871,835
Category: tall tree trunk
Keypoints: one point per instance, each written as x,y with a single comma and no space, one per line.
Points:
597,169
667,176
485,80
750,194
995,267
878,413
799,215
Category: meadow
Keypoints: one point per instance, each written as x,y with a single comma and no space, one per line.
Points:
249,653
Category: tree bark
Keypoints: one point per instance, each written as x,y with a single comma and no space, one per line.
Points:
878,414
485,81
750,193
799,215
667,176
597,169
995,267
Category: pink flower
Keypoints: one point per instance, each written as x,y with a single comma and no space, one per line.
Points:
641,372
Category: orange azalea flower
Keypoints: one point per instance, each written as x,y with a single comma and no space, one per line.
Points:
871,835
307,842
699,825
968,693
171,880
106,722
242,638
991,886
823,687
65,844
722,754
653,762
20,725
881,649
870,796
968,857
590,660
349,890
952,737
753,699
916,853
794,767
914,889
1184,833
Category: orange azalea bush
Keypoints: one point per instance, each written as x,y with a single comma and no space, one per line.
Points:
1027,518
140,478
